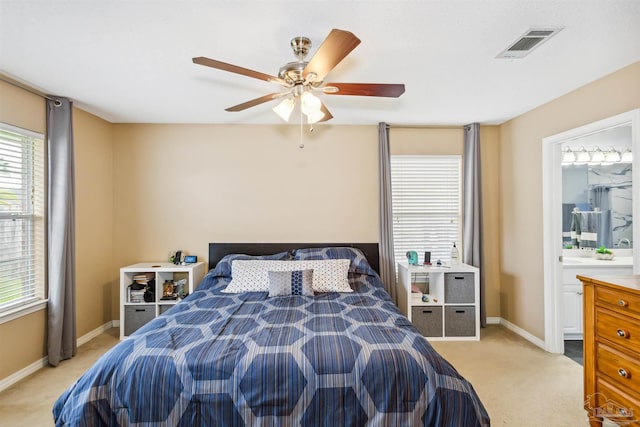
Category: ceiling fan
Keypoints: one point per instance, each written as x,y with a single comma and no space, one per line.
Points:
301,78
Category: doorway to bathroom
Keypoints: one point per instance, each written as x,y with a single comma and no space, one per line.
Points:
573,224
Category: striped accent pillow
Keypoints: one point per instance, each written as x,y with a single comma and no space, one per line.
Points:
297,282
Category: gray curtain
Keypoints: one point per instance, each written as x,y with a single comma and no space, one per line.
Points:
472,209
61,233
387,257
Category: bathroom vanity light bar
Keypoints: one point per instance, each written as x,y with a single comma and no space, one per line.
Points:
595,157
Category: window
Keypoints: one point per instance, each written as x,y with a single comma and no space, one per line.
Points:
22,228
426,193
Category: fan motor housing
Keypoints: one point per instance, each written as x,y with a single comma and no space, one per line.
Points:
292,72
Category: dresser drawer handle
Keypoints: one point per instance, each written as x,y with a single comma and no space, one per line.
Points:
622,303
622,333
622,412
623,373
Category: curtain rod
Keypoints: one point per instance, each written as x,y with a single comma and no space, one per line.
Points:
396,126
22,86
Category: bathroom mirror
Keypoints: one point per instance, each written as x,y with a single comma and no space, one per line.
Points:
597,189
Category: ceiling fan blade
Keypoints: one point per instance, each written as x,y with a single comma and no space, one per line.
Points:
256,101
327,113
365,89
208,62
334,48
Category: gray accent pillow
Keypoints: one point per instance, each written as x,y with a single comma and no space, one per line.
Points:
297,282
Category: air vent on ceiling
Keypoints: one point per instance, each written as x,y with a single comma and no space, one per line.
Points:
526,43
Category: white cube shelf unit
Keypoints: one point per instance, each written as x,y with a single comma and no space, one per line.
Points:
135,312
451,310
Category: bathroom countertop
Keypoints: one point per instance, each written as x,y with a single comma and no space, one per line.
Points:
622,261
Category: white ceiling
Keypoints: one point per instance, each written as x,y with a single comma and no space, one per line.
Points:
130,61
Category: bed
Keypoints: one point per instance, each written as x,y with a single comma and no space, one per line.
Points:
257,358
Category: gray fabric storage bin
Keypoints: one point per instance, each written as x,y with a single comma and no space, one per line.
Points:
136,316
427,320
459,321
164,307
459,288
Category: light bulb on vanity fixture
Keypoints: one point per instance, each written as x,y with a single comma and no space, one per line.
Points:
597,157
568,157
612,156
627,156
582,157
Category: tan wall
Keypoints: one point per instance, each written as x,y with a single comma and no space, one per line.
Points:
24,339
490,160
522,297
96,277
21,108
426,141
183,186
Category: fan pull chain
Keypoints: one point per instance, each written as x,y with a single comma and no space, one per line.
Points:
301,130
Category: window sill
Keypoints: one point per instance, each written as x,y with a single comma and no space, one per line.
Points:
16,313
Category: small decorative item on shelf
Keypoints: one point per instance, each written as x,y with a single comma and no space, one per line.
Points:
136,293
150,293
412,257
167,289
604,253
179,288
455,255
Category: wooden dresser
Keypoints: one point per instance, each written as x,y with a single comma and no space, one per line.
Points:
612,348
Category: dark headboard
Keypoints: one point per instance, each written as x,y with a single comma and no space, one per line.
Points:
218,250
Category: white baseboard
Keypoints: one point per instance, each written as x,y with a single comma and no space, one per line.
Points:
7,382
97,331
39,364
518,330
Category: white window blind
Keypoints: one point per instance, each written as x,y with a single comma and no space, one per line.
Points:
22,189
426,194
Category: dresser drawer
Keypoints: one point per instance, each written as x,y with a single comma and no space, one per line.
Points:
618,329
621,368
618,301
617,405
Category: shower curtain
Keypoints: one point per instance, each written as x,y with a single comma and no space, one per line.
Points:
601,197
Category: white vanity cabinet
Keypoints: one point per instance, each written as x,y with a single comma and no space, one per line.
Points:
572,290
572,311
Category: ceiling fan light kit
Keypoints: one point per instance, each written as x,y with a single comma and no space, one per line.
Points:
301,78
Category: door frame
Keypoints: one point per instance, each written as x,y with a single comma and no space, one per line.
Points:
552,216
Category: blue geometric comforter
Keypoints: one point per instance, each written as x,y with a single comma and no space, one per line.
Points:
215,359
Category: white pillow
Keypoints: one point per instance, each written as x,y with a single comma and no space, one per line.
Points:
330,275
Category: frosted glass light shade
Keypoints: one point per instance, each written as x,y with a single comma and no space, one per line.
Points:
568,156
314,116
310,103
627,156
583,157
612,156
597,157
284,109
